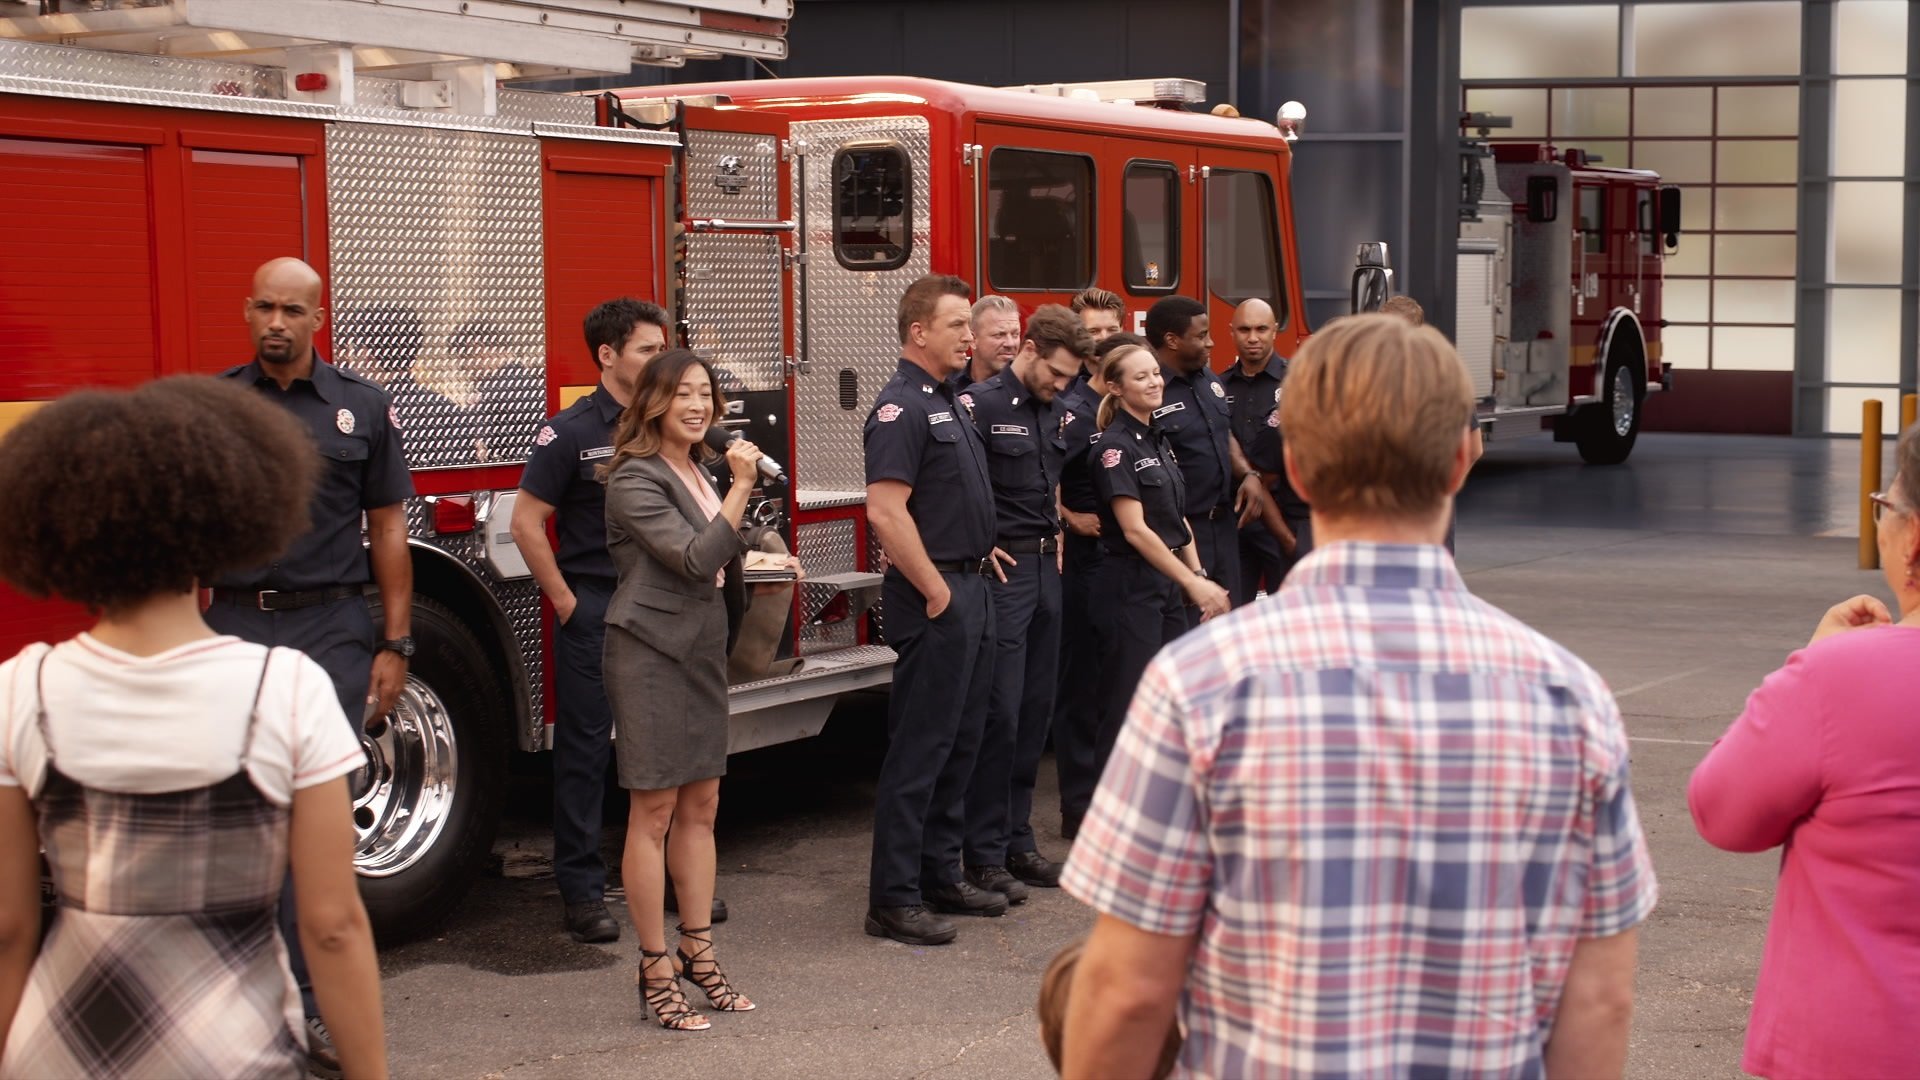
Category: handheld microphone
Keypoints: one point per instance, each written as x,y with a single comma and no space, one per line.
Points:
720,438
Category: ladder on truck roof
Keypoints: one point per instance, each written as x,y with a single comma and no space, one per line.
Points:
520,39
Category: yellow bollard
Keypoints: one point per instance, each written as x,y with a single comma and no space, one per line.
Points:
1870,450
1909,410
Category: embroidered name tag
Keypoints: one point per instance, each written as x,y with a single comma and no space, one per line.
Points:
1145,463
1009,429
1178,406
940,418
596,453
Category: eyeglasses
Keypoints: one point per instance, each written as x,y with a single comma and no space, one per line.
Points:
1882,502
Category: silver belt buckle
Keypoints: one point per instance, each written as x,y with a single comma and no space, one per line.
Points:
260,598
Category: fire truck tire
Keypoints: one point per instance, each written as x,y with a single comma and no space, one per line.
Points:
426,811
1609,428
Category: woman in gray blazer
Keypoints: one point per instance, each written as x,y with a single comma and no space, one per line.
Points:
675,544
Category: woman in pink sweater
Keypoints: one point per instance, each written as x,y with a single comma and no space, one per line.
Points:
1825,760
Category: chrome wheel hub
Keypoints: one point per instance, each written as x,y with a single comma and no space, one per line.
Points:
1623,402
404,795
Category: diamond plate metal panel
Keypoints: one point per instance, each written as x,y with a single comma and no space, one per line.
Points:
442,229
733,175
733,309
824,547
848,315
531,107
96,75
519,601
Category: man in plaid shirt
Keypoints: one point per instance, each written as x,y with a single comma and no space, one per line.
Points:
1370,826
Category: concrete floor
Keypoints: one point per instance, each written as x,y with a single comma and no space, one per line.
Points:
1684,577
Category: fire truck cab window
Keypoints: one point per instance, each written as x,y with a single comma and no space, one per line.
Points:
1040,221
1150,228
872,208
1593,220
1243,262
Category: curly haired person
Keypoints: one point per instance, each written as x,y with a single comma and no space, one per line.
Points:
170,774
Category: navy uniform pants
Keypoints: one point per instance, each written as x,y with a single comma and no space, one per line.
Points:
1219,547
935,713
582,745
1076,707
1026,620
1137,611
1302,527
1263,564
339,637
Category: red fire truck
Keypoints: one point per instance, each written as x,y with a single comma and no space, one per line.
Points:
1558,291
464,229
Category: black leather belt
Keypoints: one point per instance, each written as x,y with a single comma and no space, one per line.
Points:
1032,545
1132,552
1214,514
983,567
272,600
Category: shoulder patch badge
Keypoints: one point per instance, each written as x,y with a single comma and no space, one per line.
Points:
344,421
1111,458
393,417
547,435
1273,419
888,413
1218,390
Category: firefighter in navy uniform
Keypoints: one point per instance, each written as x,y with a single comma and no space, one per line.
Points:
1253,401
930,503
313,599
1077,692
1221,490
1151,570
1020,414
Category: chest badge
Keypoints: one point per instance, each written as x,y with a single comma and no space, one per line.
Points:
344,421
888,413
1065,419
966,402
1218,390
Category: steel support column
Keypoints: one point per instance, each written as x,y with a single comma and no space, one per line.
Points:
1433,137
1815,217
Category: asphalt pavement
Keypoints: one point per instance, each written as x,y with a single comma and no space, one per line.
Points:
1684,577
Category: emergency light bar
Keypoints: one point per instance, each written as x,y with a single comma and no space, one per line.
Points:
540,37
1130,91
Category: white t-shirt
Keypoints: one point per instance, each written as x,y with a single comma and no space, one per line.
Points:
175,720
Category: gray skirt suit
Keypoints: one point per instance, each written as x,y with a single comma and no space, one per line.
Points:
665,663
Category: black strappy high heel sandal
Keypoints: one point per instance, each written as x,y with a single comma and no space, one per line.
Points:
703,971
669,1005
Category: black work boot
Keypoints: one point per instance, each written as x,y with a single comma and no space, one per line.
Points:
996,879
913,925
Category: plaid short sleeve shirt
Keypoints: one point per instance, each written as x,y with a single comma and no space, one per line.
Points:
1387,809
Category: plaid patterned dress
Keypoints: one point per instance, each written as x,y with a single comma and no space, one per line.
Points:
165,959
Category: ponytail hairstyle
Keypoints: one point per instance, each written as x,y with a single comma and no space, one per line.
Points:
1109,370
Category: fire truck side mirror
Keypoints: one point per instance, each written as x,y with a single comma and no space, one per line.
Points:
1372,278
1670,217
1543,199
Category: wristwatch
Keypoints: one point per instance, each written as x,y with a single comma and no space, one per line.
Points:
401,645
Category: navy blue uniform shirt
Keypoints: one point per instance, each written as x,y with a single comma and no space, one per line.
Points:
560,471
921,436
1078,430
1137,461
358,436
1025,450
1252,401
1194,416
